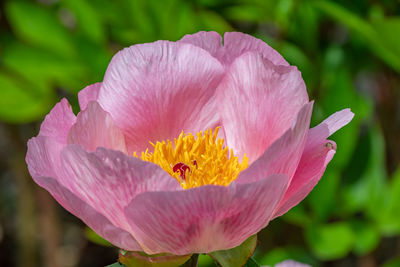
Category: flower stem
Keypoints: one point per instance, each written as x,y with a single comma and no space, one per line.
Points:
194,260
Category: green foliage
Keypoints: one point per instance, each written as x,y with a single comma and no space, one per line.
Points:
392,263
330,241
38,25
378,37
388,218
366,235
89,22
349,56
21,101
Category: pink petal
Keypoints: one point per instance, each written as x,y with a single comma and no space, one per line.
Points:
291,263
43,159
237,43
282,156
330,125
91,217
205,218
108,180
58,122
154,91
317,154
209,41
87,94
95,128
258,102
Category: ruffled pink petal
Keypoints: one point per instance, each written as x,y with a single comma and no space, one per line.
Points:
258,102
58,122
209,41
108,180
203,219
237,43
43,159
87,94
282,156
95,128
154,91
90,216
317,154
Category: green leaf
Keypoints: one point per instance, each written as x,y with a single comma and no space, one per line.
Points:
324,196
354,194
141,18
372,38
89,21
274,256
94,57
41,66
392,263
252,263
389,217
330,241
184,21
133,259
283,11
303,28
346,17
375,176
250,13
385,28
297,216
212,21
38,25
95,238
238,256
22,102
367,237
339,93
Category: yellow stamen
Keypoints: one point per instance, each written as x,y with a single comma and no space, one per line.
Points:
201,161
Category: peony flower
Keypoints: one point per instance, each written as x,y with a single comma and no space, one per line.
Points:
185,147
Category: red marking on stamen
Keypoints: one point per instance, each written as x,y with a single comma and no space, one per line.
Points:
195,163
182,168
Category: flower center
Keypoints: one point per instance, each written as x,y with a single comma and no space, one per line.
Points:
197,161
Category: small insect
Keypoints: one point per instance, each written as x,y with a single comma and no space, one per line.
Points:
329,145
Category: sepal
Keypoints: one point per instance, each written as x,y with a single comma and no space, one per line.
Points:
238,256
132,258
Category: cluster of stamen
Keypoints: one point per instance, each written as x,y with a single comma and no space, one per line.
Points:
197,161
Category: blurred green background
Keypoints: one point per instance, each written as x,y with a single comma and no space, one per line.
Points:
349,56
